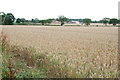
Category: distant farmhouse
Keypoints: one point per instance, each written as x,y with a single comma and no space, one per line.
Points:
70,21
55,22
75,21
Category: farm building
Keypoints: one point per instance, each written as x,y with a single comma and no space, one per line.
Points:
55,22
75,22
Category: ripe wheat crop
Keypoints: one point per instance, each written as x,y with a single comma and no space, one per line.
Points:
77,51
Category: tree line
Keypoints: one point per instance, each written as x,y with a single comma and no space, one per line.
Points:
9,19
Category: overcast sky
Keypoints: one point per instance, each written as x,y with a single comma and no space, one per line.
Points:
43,9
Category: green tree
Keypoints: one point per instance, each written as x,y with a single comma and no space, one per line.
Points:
43,22
114,21
62,19
118,21
86,21
36,20
105,21
23,20
46,21
2,17
18,20
9,19
33,21
49,21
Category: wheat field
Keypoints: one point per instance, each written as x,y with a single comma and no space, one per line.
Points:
79,51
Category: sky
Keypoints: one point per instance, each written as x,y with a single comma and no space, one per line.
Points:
75,9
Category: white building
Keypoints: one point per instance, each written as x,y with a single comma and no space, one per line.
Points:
75,22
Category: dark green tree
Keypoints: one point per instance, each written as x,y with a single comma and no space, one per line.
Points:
105,21
86,21
36,20
43,22
18,20
49,21
9,19
23,20
33,21
119,21
62,19
114,21
2,17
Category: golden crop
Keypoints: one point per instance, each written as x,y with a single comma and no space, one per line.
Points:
78,51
